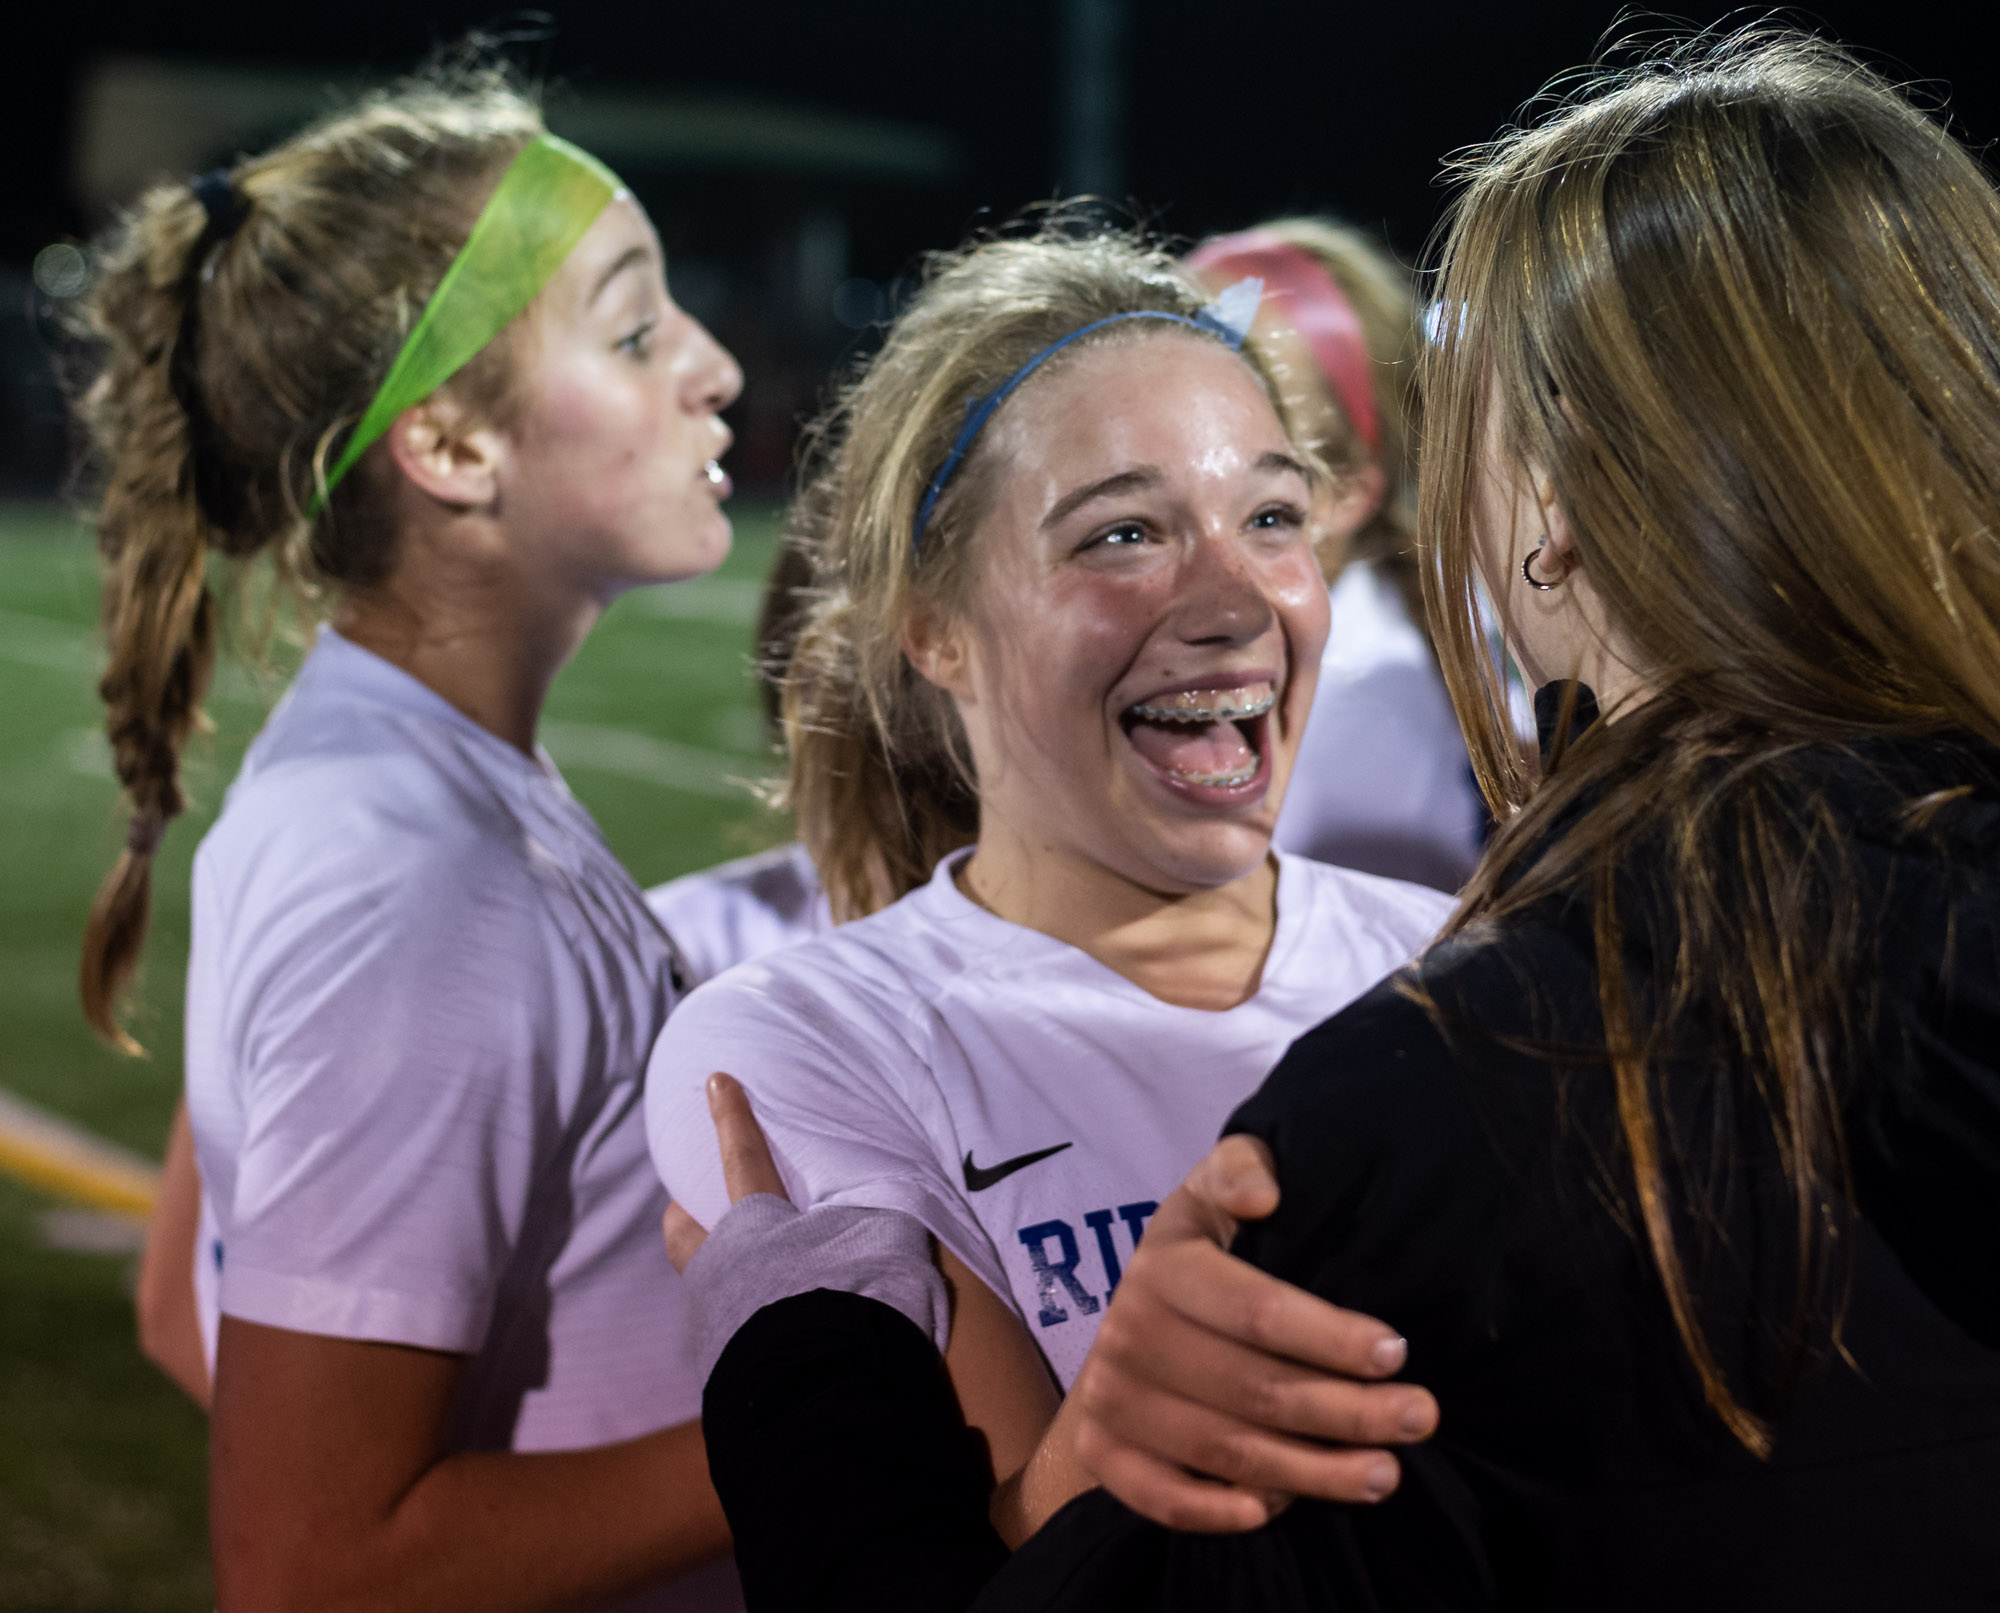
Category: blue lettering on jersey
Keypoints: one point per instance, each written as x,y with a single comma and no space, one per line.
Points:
1051,1275
1099,1221
1048,1275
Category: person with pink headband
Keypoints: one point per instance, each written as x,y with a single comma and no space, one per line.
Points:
1383,783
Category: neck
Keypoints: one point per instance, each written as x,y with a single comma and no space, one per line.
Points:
475,631
1198,949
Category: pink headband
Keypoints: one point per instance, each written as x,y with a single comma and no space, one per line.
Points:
1316,306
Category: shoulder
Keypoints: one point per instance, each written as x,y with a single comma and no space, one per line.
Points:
372,862
395,831
1445,1178
1401,1051
1416,1114
863,984
723,916
832,1040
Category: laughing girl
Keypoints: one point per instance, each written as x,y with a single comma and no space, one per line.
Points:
1041,721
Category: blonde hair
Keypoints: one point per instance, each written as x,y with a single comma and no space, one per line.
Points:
878,774
226,367
1741,303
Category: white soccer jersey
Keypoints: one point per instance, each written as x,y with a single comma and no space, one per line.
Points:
740,910
1026,1103
1382,781
420,1000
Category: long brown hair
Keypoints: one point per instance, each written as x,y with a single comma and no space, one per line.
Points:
879,775
1741,303
226,364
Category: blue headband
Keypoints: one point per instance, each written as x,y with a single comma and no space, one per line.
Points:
1228,317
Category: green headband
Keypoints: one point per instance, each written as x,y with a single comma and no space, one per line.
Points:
550,194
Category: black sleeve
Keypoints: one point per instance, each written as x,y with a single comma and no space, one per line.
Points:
851,1482
846,1470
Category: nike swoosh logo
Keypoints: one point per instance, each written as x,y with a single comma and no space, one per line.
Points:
978,1178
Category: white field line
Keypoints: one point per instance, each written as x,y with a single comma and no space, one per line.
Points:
59,647
62,1158
53,646
588,748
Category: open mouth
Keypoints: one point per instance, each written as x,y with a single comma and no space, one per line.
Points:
1215,737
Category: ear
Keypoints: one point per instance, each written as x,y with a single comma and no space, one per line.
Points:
938,646
1344,506
1555,519
446,453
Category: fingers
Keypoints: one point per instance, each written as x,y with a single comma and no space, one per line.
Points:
1169,1428
1194,1279
1247,1385
1211,1384
1164,1493
747,1166
684,1235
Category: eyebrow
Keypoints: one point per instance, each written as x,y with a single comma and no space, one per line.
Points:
1145,476
1283,464
1126,481
630,257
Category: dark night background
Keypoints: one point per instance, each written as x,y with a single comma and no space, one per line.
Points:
798,157
1208,114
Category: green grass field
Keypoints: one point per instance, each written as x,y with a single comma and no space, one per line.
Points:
101,1464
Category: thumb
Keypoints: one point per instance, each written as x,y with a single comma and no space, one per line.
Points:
747,1166
1236,1180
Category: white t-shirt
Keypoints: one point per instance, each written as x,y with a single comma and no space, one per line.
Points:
1026,1103
1382,782
420,1000
739,910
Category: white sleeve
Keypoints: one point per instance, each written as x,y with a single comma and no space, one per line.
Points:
391,1033
838,1088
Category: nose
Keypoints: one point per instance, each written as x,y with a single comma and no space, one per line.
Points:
714,379
1220,598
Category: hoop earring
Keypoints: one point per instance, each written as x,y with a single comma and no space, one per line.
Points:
1528,568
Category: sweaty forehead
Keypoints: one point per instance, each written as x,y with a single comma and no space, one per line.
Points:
1160,396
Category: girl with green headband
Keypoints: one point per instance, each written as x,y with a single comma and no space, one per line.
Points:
422,359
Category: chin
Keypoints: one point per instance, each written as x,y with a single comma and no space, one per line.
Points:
693,547
1214,856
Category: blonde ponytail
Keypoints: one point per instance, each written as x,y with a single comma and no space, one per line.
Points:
158,615
236,335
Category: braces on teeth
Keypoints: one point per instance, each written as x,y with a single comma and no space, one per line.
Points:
1187,708
1227,781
